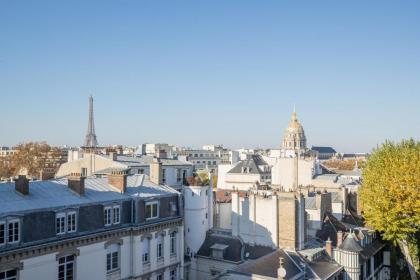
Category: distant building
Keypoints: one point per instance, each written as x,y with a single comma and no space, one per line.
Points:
209,158
6,151
324,152
245,174
174,172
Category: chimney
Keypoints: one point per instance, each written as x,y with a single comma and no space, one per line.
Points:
113,156
76,183
46,174
339,237
328,247
156,171
22,185
118,179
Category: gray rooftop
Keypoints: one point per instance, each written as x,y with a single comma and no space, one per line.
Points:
268,265
251,164
55,193
350,244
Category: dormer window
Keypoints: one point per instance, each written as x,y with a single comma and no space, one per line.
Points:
9,231
112,215
218,250
152,210
65,222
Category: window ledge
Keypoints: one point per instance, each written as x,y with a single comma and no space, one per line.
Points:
113,271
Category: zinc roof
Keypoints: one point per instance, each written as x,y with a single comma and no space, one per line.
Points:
56,193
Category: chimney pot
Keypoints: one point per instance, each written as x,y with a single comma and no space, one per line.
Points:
339,237
22,185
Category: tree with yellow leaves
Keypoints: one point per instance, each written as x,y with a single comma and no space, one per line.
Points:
390,195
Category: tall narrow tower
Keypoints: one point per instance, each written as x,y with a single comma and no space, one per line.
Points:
90,140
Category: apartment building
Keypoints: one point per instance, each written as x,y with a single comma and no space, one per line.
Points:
115,227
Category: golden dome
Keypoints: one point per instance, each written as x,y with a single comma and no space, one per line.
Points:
294,136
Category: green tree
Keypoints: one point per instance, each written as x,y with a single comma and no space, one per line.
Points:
390,195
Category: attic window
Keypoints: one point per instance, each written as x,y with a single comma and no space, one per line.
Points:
217,250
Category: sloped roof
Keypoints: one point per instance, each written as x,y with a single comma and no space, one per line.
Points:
235,249
324,150
251,164
269,264
350,244
56,193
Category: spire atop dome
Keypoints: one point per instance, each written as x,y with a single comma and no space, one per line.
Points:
294,136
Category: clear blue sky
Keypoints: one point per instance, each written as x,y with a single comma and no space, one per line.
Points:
199,72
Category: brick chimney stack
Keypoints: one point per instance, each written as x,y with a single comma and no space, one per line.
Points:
328,247
156,171
22,185
76,183
118,179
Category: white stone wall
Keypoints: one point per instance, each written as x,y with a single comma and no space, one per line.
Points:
224,215
254,219
222,169
313,222
283,172
91,162
337,210
91,261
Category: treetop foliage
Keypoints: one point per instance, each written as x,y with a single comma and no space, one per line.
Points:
390,192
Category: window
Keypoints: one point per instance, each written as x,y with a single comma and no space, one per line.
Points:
83,172
9,231
173,243
141,171
159,277
146,250
60,223
107,216
71,221
116,214
178,175
112,256
2,233
152,210
66,268
159,246
10,274
13,231
112,215
163,176
172,274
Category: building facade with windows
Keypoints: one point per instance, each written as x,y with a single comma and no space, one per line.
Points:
113,227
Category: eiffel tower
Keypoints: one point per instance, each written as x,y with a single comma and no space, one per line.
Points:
90,140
